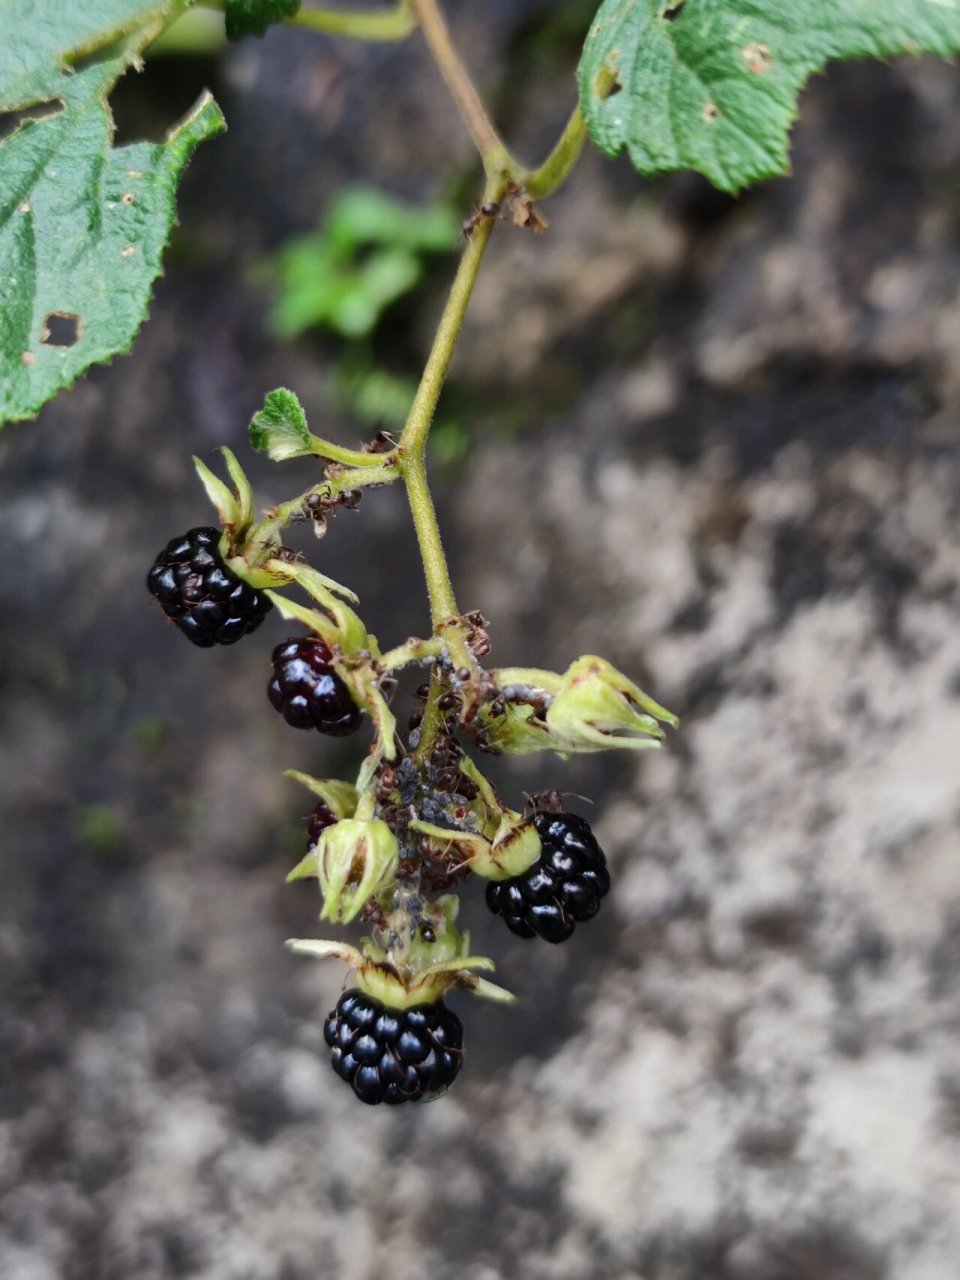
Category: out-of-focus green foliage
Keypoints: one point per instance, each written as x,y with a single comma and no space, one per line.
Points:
369,253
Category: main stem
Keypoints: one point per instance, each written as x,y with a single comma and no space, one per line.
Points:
385,25
413,442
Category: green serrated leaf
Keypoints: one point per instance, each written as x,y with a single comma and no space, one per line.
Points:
280,427
712,85
252,17
82,230
37,37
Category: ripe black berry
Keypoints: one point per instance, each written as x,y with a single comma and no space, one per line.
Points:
561,889
394,1055
205,598
321,818
307,691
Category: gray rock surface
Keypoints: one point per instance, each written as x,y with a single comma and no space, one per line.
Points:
738,476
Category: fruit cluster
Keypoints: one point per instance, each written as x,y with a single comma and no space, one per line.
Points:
421,818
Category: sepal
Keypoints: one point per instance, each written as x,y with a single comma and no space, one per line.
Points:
514,847
378,978
339,797
234,507
338,624
597,707
356,858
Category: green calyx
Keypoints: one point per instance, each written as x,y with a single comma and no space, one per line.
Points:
402,990
514,848
234,506
356,858
590,707
504,844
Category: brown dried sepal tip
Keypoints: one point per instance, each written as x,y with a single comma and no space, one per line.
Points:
525,212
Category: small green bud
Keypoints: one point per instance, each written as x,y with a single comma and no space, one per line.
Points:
356,858
597,707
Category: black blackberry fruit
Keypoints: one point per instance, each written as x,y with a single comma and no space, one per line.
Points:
307,691
561,889
321,818
394,1055
205,598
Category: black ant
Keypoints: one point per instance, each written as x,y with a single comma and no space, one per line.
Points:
382,441
550,801
288,556
488,209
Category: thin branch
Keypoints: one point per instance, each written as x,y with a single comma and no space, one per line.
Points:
395,23
496,158
383,25
559,163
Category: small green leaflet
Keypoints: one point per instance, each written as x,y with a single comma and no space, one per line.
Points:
83,224
252,17
280,427
712,85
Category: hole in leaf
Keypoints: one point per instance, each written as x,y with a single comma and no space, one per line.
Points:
710,112
672,10
10,121
607,84
60,329
144,106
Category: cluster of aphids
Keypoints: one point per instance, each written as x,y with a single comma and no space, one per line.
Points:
422,818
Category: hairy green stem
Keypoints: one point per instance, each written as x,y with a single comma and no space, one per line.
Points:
413,442
559,163
443,603
349,457
412,650
384,472
412,451
383,25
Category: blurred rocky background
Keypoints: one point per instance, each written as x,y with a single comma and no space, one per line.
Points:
714,440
